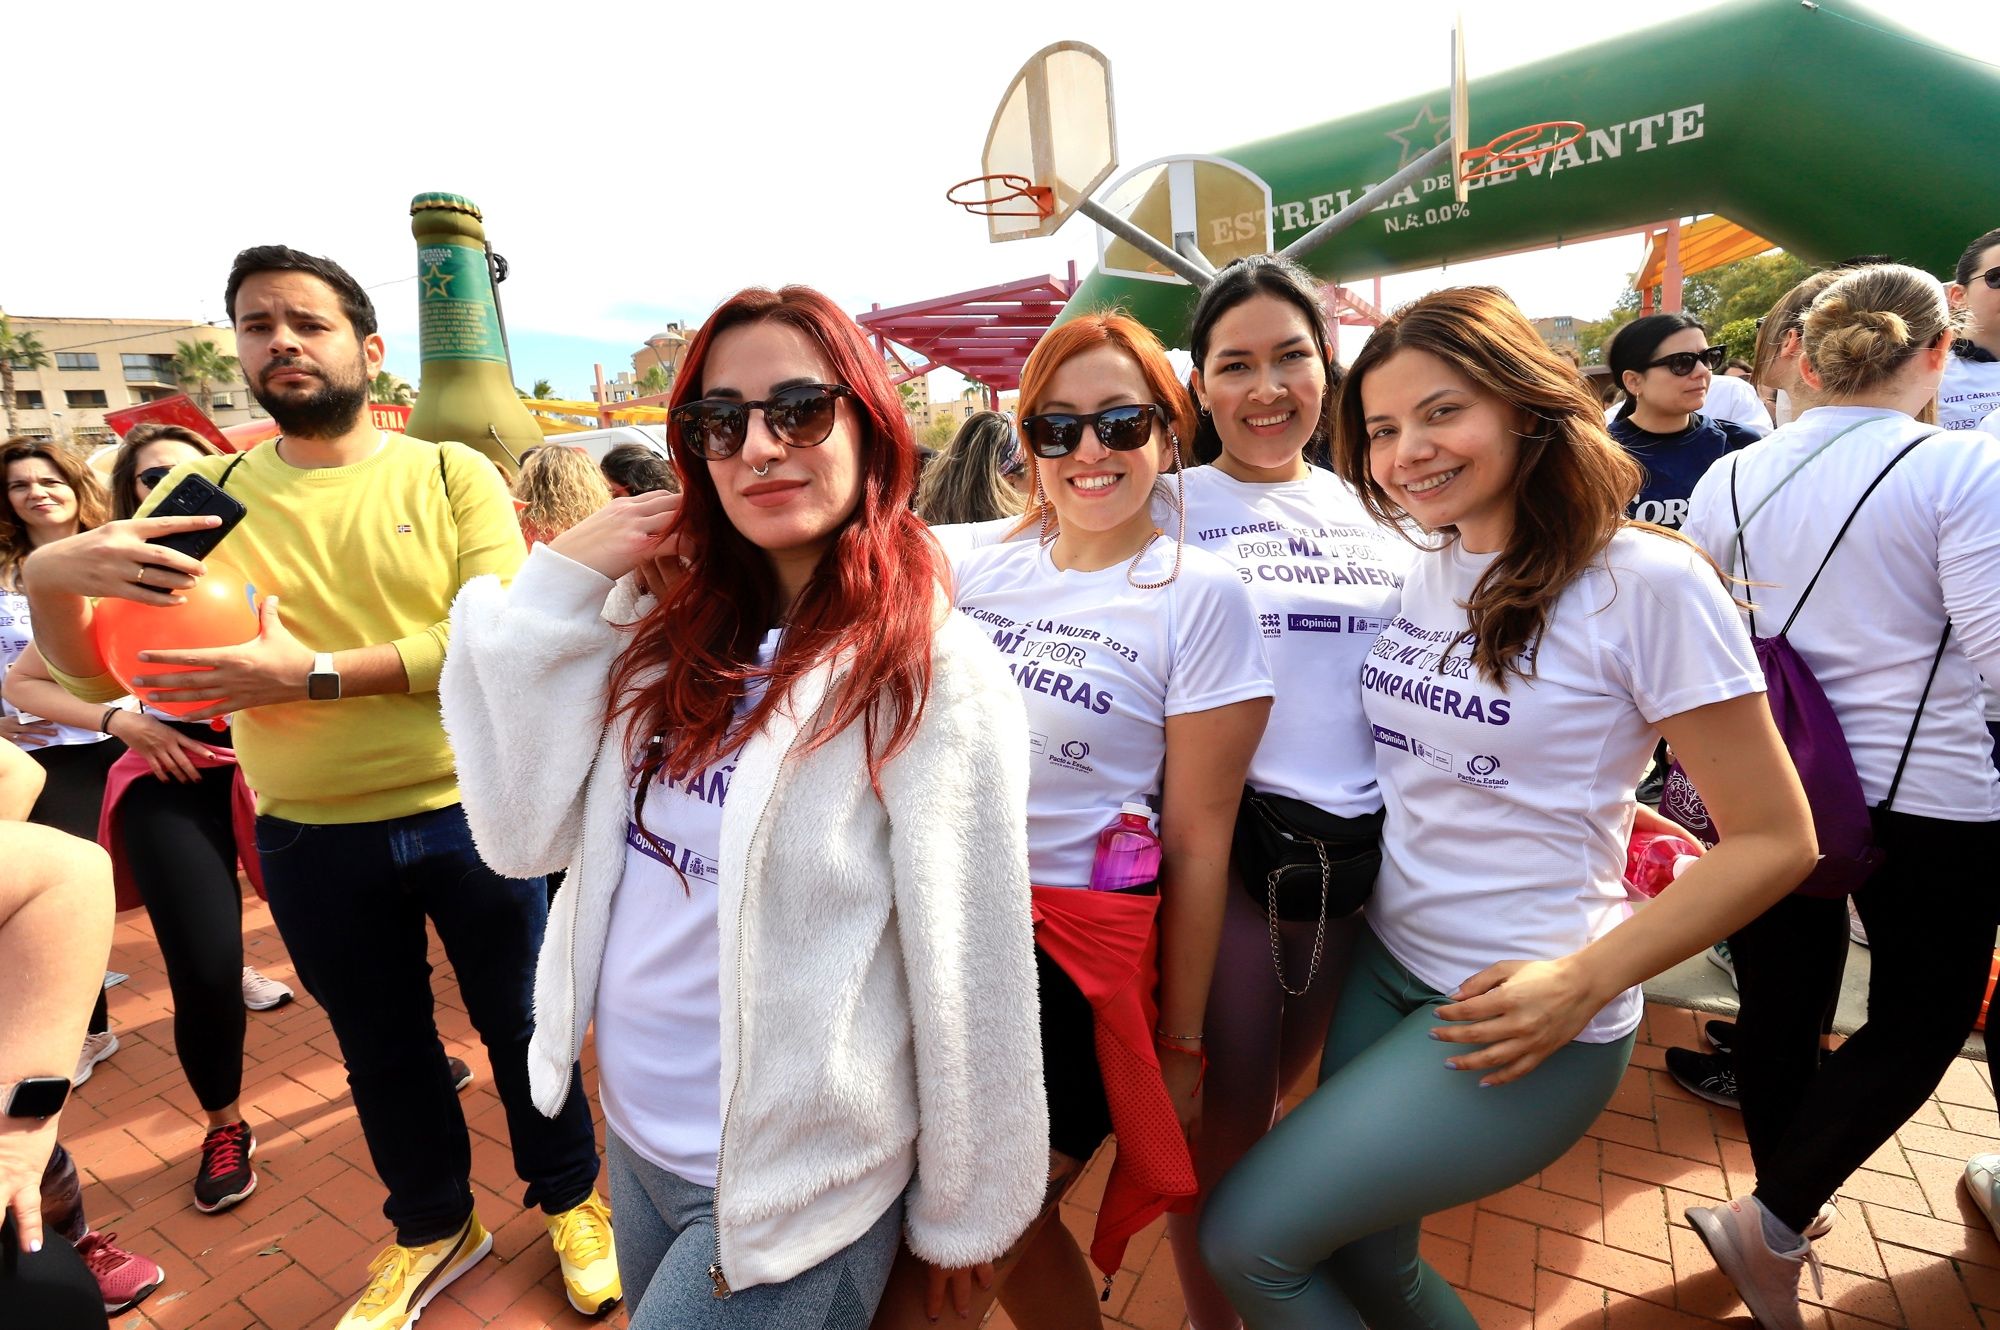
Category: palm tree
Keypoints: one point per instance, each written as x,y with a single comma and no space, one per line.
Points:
201,365
389,390
654,382
18,350
544,391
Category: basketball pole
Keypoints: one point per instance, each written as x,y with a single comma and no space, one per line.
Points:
1355,211
1197,274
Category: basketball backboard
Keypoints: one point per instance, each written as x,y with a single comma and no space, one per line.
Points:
1221,209
1054,129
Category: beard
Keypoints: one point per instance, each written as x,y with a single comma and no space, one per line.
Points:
321,410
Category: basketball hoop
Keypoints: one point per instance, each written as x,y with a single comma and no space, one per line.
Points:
1516,148
1041,200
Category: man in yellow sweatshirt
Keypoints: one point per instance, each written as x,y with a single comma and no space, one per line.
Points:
356,541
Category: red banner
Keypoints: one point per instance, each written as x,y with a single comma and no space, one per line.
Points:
176,410
382,415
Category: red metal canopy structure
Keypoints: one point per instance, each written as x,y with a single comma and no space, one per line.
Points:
985,335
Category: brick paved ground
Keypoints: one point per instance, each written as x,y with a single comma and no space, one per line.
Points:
1594,1243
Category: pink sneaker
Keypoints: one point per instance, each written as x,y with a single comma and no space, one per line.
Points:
122,1277
1766,1280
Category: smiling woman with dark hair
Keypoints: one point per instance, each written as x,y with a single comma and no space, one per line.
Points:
1541,647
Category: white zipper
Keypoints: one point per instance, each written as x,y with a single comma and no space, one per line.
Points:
716,1277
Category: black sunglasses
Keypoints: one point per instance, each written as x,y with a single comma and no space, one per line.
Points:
153,475
1119,428
1991,277
1681,363
798,417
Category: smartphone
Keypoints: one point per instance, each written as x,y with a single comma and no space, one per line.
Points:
197,497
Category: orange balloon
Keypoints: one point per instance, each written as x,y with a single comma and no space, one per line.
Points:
220,611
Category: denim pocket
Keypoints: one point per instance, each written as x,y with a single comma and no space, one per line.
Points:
275,835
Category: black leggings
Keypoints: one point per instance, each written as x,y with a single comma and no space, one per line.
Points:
50,1290
1930,914
180,843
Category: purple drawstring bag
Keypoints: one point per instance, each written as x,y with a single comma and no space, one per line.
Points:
1848,854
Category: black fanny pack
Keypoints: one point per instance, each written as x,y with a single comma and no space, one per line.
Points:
1301,863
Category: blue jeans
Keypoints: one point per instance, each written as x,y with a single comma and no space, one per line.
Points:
350,901
666,1241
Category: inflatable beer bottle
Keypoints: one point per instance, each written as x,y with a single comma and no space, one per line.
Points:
466,390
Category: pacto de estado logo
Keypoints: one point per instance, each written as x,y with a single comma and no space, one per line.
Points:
1075,750
1483,765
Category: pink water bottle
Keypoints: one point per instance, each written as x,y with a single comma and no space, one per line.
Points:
1654,859
1128,851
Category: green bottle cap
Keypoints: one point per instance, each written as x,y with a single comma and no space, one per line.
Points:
446,202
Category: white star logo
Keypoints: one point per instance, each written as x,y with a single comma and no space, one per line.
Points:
1421,135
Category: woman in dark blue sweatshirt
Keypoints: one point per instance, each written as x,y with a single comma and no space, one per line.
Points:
1664,363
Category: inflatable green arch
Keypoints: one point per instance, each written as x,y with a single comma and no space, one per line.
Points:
1819,125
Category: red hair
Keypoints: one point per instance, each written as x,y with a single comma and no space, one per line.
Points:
1084,333
871,603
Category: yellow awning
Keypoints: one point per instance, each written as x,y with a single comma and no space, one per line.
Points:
1709,243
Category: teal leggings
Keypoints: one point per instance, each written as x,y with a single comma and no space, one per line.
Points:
1317,1227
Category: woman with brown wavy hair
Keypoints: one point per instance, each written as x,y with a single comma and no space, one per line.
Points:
1542,647
559,486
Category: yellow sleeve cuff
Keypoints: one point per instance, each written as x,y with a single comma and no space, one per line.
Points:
423,656
97,688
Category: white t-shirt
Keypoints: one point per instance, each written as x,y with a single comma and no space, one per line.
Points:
16,633
1926,544
1509,810
1101,664
1736,400
1991,424
959,539
659,994
1969,393
1324,577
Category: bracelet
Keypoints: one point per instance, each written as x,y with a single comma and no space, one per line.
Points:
104,723
1177,1038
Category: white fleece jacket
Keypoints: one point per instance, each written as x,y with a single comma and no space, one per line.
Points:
878,983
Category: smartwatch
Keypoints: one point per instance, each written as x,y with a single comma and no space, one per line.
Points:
36,1098
323,683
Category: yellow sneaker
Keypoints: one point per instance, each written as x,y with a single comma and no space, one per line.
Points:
582,1238
403,1279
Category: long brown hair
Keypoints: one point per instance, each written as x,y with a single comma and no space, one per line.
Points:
15,546
1571,486
871,603
125,467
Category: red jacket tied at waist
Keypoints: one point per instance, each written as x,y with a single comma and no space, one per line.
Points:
242,819
1108,943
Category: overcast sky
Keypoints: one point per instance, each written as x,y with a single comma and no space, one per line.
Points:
636,163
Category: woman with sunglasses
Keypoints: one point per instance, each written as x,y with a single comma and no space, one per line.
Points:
1902,625
1541,646
1664,364
1323,574
974,480
176,818
789,785
1144,678
1970,390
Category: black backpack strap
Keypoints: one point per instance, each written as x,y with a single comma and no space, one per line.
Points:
1880,476
223,483
1742,548
1918,719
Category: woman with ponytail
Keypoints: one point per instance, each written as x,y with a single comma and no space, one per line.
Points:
1904,621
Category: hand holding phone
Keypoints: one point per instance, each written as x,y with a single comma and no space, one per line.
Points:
196,496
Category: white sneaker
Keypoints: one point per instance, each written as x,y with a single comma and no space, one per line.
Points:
1982,1172
96,1048
1719,957
1855,931
261,993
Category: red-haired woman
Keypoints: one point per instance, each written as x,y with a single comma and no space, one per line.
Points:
789,786
1143,672
1541,648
